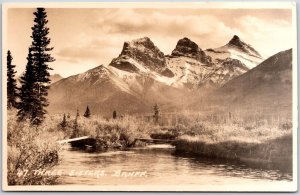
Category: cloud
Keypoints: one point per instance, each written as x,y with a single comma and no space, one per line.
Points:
132,22
84,38
270,37
112,29
92,49
73,54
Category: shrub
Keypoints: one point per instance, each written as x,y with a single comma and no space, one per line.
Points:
31,150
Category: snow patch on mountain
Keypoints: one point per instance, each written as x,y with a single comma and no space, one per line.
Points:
131,78
229,52
236,49
187,70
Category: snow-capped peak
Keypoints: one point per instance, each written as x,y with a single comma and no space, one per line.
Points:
139,55
142,45
236,49
241,45
236,41
140,41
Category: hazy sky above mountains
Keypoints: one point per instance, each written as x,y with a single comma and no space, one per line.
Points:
85,38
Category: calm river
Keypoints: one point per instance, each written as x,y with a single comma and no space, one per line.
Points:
158,164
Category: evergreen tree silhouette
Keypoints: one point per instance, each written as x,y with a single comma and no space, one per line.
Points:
63,124
156,113
11,82
77,113
27,94
114,114
87,113
41,58
75,126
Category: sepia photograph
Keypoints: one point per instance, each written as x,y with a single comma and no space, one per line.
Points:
149,96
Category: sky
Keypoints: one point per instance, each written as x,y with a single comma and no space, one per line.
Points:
85,38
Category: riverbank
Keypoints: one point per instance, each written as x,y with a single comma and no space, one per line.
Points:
251,137
277,151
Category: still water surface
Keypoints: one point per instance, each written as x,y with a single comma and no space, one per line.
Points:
155,165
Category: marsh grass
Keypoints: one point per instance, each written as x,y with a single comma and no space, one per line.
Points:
277,151
34,148
242,136
121,131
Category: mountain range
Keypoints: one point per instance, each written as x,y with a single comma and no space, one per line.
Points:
142,75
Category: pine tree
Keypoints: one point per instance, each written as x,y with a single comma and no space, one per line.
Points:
63,124
27,94
41,58
114,114
77,114
75,126
87,113
11,82
156,113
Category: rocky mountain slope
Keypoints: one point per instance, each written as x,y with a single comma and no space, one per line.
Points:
187,66
141,55
267,85
186,47
106,89
92,88
195,68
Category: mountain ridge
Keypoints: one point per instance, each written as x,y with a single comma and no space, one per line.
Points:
270,83
142,75
236,49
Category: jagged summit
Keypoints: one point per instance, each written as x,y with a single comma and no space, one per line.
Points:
188,48
141,40
235,41
143,44
239,44
237,49
138,52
